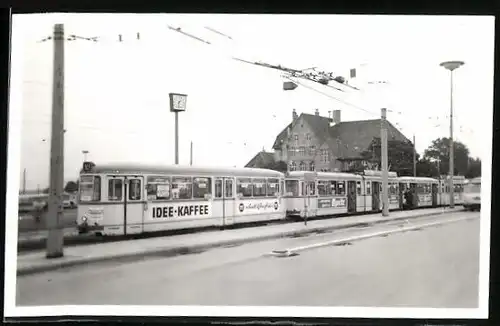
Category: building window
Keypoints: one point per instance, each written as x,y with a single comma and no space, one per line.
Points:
324,155
293,166
312,150
296,137
302,151
313,166
291,151
302,166
308,136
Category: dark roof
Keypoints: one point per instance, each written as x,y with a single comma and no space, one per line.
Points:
346,139
261,159
349,139
318,124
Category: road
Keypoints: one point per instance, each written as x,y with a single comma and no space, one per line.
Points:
27,222
428,267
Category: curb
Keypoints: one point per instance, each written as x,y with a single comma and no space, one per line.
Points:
175,251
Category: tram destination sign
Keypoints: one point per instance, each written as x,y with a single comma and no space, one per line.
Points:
180,210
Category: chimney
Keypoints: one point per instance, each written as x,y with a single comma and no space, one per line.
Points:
336,116
316,112
294,115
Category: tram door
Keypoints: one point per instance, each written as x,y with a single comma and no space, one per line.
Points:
434,194
228,201
135,207
351,196
376,196
402,190
126,215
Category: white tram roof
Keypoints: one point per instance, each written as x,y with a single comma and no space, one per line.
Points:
476,180
323,175
417,179
135,169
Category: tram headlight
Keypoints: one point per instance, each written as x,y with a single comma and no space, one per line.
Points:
84,218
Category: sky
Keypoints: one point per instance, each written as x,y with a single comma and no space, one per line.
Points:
116,94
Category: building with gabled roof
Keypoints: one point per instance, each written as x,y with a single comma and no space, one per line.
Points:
316,143
262,159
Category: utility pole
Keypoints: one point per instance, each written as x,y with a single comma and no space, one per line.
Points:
384,159
191,155
451,66
24,181
414,157
55,214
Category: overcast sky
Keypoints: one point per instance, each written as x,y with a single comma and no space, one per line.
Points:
116,94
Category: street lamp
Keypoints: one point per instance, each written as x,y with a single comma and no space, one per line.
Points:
451,66
177,104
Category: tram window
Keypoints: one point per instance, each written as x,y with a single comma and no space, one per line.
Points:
324,188
90,188
218,188
229,188
341,188
259,187
201,187
158,188
358,187
244,187
447,187
292,187
115,189
311,188
134,189
273,186
333,188
182,188
282,187
368,188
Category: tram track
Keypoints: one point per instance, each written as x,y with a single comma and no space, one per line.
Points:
30,245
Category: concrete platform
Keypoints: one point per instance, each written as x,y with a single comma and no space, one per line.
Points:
131,250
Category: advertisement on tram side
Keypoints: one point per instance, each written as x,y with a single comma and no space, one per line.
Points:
179,210
332,202
250,207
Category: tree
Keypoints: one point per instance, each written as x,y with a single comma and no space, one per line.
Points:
399,154
474,169
71,186
427,168
440,149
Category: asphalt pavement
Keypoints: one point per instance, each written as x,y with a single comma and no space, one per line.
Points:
434,266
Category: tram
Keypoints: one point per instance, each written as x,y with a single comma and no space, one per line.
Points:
472,194
311,194
122,199
423,191
458,189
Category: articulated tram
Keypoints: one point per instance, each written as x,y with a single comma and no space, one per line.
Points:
131,199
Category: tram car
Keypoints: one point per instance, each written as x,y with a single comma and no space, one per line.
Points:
311,194
418,192
458,189
472,194
121,199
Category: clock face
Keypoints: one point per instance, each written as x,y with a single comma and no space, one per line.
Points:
179,102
